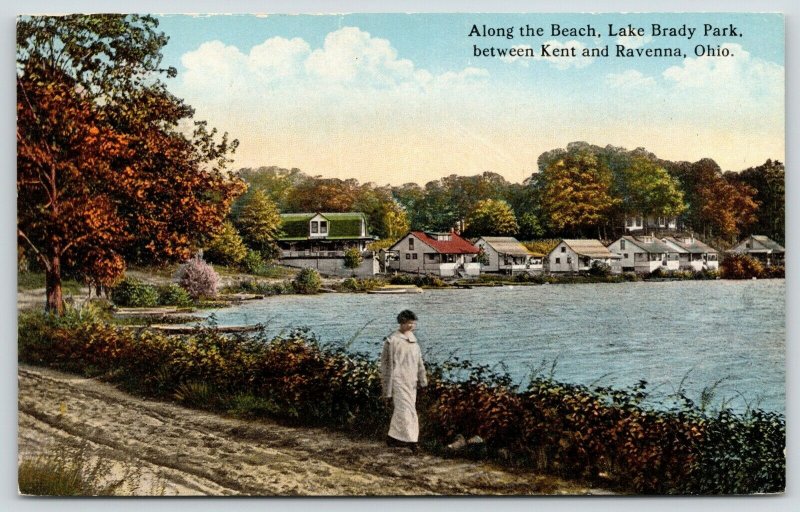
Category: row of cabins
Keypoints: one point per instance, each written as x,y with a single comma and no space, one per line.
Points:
319,240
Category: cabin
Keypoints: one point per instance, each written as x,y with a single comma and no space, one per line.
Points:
442,254
319,240
693,254
645,254
579,256
638,222
762,248
507,255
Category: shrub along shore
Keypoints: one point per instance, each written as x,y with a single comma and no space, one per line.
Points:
599,435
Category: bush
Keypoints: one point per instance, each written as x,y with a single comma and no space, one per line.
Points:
198,278
253,263
601,434
173,295
600,269
351,284
307,281
131,292
740,266
352,258
429,280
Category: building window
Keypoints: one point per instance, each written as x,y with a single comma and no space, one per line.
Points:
626,255
622,244
414,256
410,244
563,249
638,221
558,261
323,226
314,227
629,222
569,260
408,256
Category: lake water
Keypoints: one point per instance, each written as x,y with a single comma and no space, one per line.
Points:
603,334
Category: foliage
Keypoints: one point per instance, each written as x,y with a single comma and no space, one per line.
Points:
132,292
63,473
353,258
198,278
103,147
646,188
384,243
226,247
352,284
261,287
600,269
426,280
769,182
253,263
491,217
259,222
740,266
576,193
307,281
601,434
173,295
541,246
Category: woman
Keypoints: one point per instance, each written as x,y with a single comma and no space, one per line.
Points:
402,371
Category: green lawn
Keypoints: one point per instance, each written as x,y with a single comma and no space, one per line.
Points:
33,280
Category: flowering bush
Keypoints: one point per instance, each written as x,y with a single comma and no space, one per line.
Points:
198,278
740,266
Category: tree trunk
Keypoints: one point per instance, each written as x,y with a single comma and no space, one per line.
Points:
55,300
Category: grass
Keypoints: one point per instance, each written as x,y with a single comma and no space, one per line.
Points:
64,471
34,280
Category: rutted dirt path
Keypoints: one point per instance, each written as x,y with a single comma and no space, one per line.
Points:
179,451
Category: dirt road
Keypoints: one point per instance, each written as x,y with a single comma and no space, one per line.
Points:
170,450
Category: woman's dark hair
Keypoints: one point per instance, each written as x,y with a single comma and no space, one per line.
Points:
405,316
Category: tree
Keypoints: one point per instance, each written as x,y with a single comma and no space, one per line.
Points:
576,193
259,223
226,247
106,170
769,182
353,258
646,188
491,217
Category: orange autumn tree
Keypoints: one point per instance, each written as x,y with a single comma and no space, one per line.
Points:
106,170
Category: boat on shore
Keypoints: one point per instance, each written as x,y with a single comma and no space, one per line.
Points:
396,289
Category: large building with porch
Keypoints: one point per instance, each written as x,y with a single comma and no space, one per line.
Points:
442,254
319,240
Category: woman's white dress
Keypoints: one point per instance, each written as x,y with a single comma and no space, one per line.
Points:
402,371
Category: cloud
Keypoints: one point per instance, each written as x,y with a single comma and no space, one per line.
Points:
629,79
349,59
740,73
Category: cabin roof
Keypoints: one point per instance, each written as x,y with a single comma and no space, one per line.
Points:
456,244
693,246
588,247
507,245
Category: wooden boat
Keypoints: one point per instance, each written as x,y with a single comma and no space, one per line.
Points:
396,289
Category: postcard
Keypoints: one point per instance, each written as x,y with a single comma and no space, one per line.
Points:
401,254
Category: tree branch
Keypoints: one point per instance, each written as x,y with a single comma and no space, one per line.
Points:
39,255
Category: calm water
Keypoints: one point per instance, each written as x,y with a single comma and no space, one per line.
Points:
604,334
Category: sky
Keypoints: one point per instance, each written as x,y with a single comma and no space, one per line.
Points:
393,98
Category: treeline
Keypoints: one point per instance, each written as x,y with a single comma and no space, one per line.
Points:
578,191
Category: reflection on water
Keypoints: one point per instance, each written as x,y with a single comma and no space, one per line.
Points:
608,334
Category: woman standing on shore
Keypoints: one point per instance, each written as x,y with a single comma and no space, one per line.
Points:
402,371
